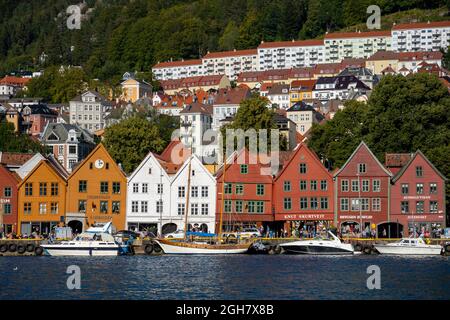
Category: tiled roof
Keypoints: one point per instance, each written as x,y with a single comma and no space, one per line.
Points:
384,55
233,53
181,63
14,158
231,96
16,81
420,55
397,159
421,25
302,85
345,35
293,43
197,107
279,89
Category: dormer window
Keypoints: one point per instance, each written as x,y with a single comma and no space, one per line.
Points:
52,137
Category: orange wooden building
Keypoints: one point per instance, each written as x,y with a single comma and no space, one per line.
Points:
96,192
41,198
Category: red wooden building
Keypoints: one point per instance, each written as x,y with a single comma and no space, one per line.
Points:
362,194
417,195
303,193
247,193
8,200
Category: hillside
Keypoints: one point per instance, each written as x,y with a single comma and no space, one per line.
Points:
120,35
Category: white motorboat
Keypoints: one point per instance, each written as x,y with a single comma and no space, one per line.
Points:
96,241
319,246
409,246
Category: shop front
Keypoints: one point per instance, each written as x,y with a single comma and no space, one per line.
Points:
305,224
350,226
428,225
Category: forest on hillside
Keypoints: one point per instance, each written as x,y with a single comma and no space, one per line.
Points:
120,35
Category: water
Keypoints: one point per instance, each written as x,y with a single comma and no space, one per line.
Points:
225,277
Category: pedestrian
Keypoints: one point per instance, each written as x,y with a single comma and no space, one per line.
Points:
384,233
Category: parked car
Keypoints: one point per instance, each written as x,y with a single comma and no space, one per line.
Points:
179,234
244,234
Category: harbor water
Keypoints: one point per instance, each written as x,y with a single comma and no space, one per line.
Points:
225,277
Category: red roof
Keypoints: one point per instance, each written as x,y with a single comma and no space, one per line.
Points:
166,155
421,25
171,64
16,81
231,96
302,85
384,55
420,55
233,53
293,43
14,158
345,35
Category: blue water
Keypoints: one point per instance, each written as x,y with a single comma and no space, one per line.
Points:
225,277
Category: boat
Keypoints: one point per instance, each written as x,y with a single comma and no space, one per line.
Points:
95,241
409,246
213,246
319,246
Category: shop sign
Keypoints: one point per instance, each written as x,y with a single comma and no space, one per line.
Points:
356,217
312,216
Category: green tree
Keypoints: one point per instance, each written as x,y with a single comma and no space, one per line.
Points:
11,141
131,140
229,37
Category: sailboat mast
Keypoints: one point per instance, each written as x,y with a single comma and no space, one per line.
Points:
223,197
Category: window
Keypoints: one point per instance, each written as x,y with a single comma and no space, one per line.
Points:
82,186
181,192
159,206
433,206
420,205
314,203
344,185
324,203
205,209
259,206
365,186
323,185
104,206
144,206
54,208
181,207
405,188
355,185
344,204
145,188
260,189
42,208
376,204
405,206
238,205
227,206
239,189
433,188
135,187
376,185
419,171
287,204
365,204
419,188
27,208
7,192
72,149
205,191
244,169
228,188
355,205
194,209
303,168
251,207
194,192
28,189
103,187
303,186
7,208
160,188
54,186
42,188
313,184
116,187
134,206
287,186
361,168
82,206
303,203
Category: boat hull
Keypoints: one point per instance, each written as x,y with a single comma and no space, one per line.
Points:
317,247
172,247
55,250
404,250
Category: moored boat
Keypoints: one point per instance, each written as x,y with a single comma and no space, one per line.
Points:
181,247
409,246
319,246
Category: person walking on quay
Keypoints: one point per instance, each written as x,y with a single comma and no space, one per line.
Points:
384,233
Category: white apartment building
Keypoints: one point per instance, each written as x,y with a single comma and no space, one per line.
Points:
303,115
230,63
195,120
226,104
88,111
290,54
202,199
178,69
148,196
351,45
279,96
427,36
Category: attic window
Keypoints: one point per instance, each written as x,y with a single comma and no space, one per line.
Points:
53,137
91,165
149,170
107,165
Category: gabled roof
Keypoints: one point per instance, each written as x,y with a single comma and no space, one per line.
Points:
29,165
231,96
186,163
12,175
61,130
363,145
50,164
406,166
149,156
297,149
14,158
197,107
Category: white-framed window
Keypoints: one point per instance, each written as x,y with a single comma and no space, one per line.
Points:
159,206
160,188
376,204
181,208
344,204
376,185
194,209
134,206
205,209
144,206
181,192
194,192
205,191
145,188
135,187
